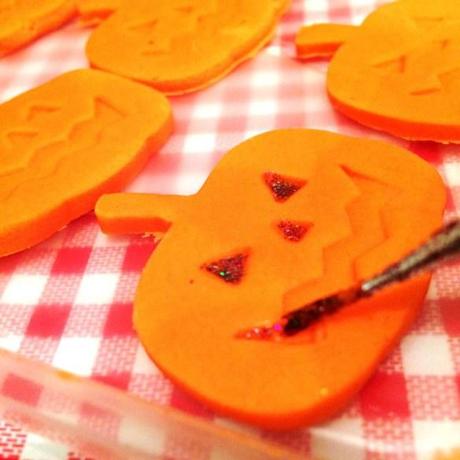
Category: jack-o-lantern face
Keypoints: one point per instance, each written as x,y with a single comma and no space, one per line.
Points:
64,143
399,71
285,217
178,46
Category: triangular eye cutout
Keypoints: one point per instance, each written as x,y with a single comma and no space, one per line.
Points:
229,269
293,231
282,187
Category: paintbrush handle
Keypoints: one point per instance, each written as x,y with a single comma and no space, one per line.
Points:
442,245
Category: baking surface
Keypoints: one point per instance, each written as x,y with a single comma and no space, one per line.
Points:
68,301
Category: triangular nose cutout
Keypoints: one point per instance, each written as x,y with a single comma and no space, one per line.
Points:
293,231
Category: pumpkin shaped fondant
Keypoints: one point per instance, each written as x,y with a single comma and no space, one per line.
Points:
180,46
65,143
399,71
285,218
22,21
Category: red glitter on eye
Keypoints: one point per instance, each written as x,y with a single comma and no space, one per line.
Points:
293,231
282,187
229,269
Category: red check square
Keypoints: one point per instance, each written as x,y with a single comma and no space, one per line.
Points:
385,396
71,260
119,320
48,321
137,255
450,314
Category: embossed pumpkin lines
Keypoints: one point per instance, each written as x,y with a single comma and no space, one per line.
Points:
181,46
65,143
424,67
232,266
24,148
237,253
399,71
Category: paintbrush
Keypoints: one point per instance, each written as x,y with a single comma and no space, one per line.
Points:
442,245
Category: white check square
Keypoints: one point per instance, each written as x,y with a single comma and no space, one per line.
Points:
452,174
429,436
208,111
143,364
261,107
267,78
426,355
76,354
11,342
199,143
97,289
340,438
24,289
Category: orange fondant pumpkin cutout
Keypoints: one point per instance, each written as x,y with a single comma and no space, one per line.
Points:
22,21
180,46
234,255
68,141
399,71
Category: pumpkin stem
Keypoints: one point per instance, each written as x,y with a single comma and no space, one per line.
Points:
122,213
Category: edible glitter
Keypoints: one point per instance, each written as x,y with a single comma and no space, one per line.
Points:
229,269
293,231
263,332
282,187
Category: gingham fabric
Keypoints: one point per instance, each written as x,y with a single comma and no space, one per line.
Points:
68,301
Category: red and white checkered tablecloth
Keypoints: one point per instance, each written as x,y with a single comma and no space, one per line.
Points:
68,301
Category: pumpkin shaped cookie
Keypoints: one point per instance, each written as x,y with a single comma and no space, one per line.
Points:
399,71
286,217
182,45
67,142
22,21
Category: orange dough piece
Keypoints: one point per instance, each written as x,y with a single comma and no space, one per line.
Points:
180,46
321,40
22,21
400,73
121,213
66,143
227,263
93,12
